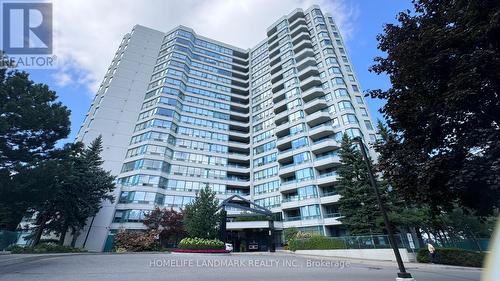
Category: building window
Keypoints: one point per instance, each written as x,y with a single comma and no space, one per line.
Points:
368,125
359,100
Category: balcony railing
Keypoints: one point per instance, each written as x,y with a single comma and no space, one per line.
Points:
301,218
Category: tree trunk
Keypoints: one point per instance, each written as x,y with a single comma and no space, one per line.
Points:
39,231
75,234
418,234
63,235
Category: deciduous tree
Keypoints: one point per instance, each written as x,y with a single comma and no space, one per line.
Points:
443,108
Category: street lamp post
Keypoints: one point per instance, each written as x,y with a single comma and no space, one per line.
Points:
402,274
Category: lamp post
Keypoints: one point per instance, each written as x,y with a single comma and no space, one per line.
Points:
402,274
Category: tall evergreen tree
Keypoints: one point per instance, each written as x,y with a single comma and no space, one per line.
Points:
80,187
200,216
358,203
31,122
443,108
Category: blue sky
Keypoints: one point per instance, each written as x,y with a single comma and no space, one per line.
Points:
78,76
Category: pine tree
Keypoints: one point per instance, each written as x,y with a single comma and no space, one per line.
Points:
79,187
358,203
31,122
201,217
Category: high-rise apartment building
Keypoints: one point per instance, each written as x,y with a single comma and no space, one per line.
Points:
178,111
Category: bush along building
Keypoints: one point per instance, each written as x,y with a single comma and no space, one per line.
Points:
178,111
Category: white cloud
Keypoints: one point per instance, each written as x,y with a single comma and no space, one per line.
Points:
87,32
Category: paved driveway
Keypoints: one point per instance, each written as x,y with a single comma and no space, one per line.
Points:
225,267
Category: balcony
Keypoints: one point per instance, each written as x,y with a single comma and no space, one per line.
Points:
310,70
324,145
302,221
309,83
304,54
327,178
297,24
294,184
286,155
289,169
321,130
315,105
304,63
329,199
318,117
312,93
302,45
327,161
296,202
332,218
298,37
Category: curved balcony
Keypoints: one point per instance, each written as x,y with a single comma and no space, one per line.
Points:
298,202
327,179
302,45
327,161
317,117
312,93
329,199
296,23
303,64
324,145
310,70
321,130
304,54
289,169
313,81
315,105
303,35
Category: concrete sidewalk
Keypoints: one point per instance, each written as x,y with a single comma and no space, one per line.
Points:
408,265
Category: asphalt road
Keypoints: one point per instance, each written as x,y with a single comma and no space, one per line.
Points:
203,267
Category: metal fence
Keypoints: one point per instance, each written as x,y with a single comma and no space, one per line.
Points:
382,242
373,241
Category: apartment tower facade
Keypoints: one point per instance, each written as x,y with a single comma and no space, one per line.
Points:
178,111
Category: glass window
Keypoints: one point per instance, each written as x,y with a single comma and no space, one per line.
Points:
349,119
339,93
304,174
300,142
359,100
345,105
368,125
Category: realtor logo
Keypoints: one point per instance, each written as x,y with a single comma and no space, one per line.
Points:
27,28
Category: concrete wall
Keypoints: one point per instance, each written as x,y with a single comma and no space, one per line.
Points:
114,118
369,254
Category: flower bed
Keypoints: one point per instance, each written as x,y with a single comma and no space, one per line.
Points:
201,244
200,251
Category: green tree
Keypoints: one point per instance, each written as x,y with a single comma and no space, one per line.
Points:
31,122
358,203
201,218
79,187
443,108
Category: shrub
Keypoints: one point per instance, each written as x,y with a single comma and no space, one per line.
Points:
303,235
453,256
43,248
290,233
201,244
135,241
316,242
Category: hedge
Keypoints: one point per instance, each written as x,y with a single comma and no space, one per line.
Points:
316,242
452,256
43,248
201,244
